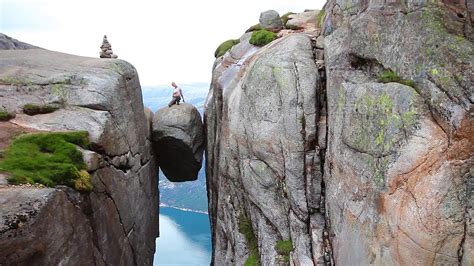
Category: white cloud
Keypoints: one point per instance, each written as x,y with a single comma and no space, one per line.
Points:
164,40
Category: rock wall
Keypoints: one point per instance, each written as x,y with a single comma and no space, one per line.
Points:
117,222
315,148
397,171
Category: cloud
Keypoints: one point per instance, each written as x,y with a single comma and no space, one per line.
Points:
164,40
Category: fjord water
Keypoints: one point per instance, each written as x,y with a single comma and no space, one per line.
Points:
185,238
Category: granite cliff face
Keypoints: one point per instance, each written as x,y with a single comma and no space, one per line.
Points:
350,138
117,222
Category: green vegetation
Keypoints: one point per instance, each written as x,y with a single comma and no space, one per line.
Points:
285,18
224,47
391,76
320,18
48,158
245,228
34,109
284,247
255,27
262,37
5,116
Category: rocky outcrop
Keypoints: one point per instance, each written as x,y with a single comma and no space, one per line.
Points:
356,154
263,161
397,168
117,222
270,20
179,142
8,43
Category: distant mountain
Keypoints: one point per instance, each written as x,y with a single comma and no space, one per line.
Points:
186,195
155,97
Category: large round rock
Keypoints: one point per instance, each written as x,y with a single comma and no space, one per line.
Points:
270,20
178,141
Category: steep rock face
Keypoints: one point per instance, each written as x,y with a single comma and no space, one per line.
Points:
117,222
398,184
396,144
263,164
179,142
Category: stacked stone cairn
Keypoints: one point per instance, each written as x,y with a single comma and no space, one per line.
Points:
106,49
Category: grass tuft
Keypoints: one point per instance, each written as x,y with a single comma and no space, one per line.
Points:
245,228
390,76
320,18
48,158
224,47
34,109
284,247
262,37
5,116
255,27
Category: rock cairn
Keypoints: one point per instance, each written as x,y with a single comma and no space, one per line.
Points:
106,49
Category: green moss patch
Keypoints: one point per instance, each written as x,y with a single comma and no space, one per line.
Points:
255,27
262,37
224,47
48,158
245,228
391,76
34,109
5,116
284,247
320,18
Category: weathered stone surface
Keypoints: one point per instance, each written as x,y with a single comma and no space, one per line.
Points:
261,128
305,20
117,222
398,187
270,20
178,138
8,43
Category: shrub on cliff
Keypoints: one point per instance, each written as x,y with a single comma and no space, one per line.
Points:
391,76
262,37
48,158
284,247
34,109
224,47
245,228
5,116
255,27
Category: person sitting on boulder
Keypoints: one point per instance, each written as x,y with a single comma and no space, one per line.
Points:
177,95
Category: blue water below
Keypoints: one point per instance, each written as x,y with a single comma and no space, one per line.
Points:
185,238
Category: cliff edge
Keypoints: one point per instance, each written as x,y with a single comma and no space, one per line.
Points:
116,222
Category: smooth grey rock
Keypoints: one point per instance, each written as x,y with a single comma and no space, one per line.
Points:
320,42
179,141
270,20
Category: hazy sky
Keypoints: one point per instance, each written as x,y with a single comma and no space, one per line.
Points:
165,40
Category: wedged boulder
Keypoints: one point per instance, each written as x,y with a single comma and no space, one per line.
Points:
178,139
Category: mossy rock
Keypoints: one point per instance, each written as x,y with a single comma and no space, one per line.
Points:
245,228
48,158
262,37
253,28
224,47
320,18
391,76
5,116
285,17
34,109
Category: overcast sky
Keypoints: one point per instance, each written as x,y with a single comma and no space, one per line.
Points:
165,40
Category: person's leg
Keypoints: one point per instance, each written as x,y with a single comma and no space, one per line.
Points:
178,99
173,101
